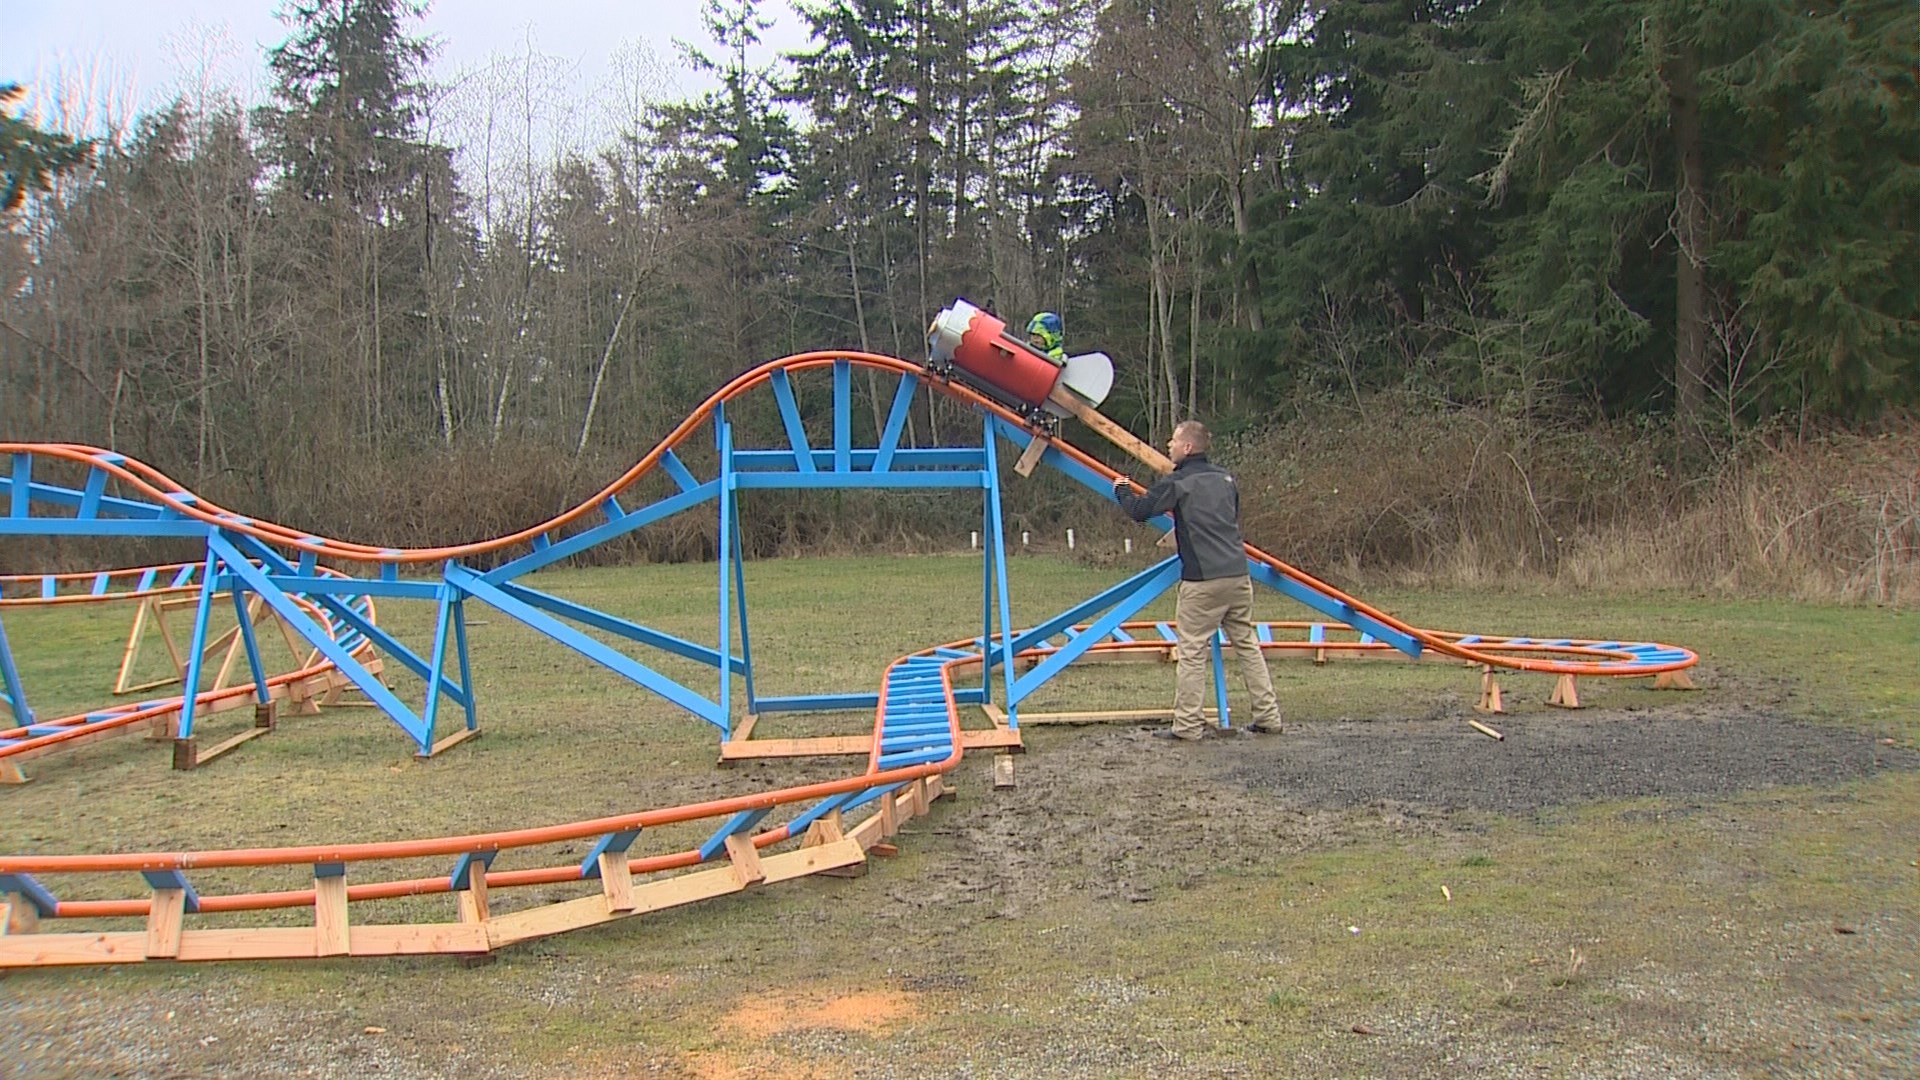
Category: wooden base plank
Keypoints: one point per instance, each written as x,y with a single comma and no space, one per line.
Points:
450,742
988,740
226,746
738,749
667,892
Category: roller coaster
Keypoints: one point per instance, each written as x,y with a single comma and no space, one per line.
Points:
324,612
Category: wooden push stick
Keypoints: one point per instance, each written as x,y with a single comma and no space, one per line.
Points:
1487,731
1114,433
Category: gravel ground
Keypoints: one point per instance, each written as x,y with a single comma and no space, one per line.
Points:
1111,815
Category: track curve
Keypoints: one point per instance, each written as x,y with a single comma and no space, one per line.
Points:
903,772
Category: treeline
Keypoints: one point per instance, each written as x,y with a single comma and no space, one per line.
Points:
1698,217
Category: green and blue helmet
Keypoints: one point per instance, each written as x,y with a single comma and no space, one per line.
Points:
1046,333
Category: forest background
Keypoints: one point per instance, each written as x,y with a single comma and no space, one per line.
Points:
1619,292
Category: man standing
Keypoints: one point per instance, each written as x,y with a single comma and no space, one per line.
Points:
1215,591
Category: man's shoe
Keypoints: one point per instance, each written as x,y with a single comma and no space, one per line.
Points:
1264,729
1231,733
1172,735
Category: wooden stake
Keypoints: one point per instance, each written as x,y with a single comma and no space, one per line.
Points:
1114,433
185,754
1002,771
616,881
330,931
165,920
746,860
1487,731
473,898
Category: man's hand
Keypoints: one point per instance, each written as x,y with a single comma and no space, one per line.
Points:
1122,485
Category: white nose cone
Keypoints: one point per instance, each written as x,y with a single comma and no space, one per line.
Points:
1089,375
943,337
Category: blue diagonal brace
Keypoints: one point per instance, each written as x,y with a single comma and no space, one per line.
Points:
1149,589
602,654
319,638
737,824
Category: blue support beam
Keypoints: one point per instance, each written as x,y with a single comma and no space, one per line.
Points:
1149,589
632,631
735,826
197,648
173,879
262,693
316,635
600,534
626,667
36,894
896,422
10,687
790,416
613,843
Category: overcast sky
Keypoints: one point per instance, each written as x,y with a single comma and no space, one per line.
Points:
130,55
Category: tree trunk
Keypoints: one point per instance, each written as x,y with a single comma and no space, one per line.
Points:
1690,237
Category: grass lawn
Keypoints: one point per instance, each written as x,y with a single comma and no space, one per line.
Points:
1127,910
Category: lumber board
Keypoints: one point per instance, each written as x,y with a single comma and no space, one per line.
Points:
228,745
740,749
60,950
746,860
988,740
616,881
668,892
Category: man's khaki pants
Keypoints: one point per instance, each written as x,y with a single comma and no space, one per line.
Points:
1204,607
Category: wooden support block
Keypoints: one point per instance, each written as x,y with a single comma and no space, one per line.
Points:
826,832
330,930
616,881
889,814
18,915
1673,680
265,714
1002,771
165,920
1565,694
1320,656
185,754
1489,692
163,727
921,802
746,860
10,772
473,898
1030,457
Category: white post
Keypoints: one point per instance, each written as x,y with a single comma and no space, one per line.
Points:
1069,539
1129,542
973,540
1023,538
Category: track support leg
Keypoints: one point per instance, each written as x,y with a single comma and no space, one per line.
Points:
1489,692
1565,694
1673,680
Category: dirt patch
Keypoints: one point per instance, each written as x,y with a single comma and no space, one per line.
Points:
765,1015
1545,761
1113,812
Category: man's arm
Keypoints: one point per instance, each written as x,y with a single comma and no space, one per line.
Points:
1158,500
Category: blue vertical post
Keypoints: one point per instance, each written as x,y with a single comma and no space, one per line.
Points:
442,623
723,439
842,416
10,676
466,667
190,687
740,601
262,693
1000,569
986,602
1219,677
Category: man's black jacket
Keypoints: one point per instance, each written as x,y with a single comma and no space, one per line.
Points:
1206,517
